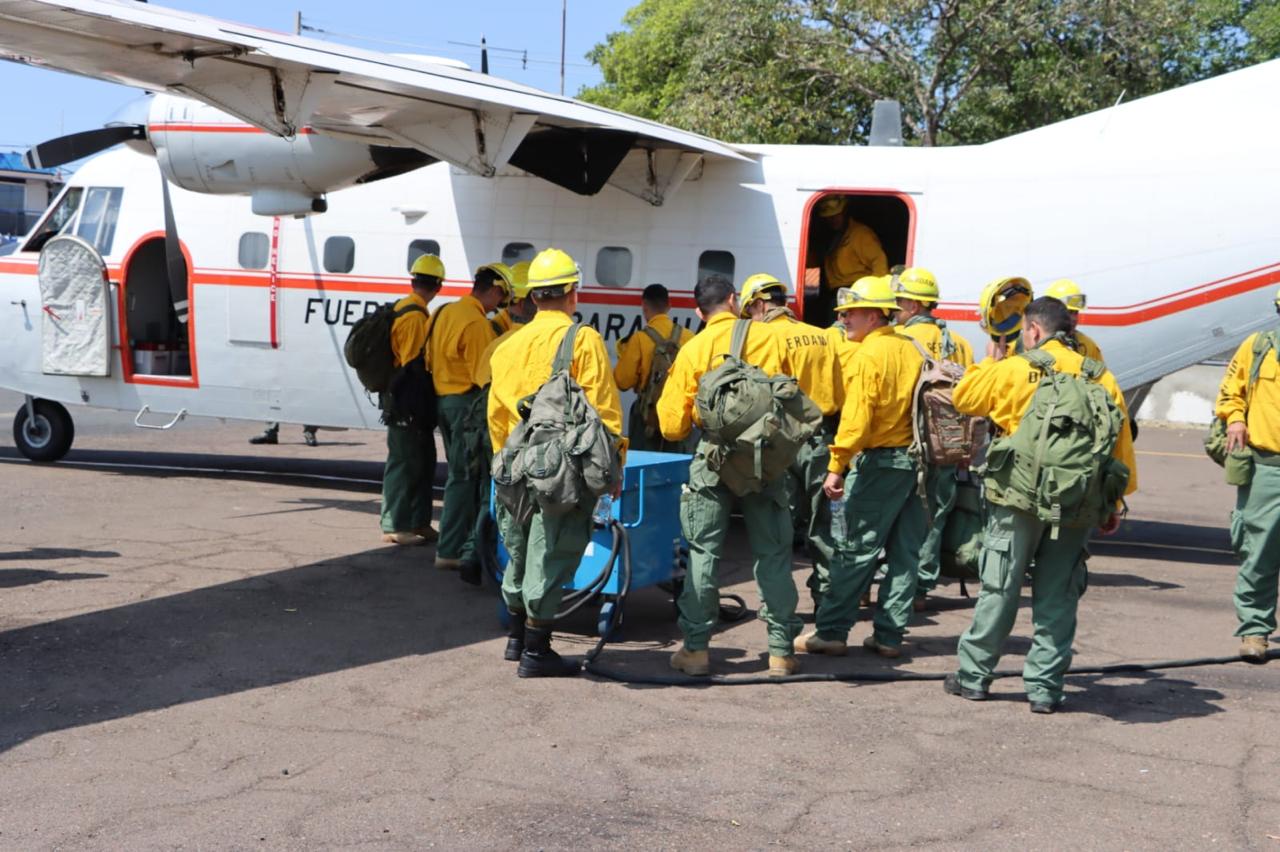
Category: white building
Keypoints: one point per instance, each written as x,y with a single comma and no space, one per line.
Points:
24,193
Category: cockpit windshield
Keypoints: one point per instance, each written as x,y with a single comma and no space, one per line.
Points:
58,217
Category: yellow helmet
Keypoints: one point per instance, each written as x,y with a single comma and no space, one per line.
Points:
1068,293
1001,305
428,264
832,205
916,283
502,271
754,288
520,279
553,269
869,291
1278,298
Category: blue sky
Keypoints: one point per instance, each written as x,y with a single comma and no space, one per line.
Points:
43,104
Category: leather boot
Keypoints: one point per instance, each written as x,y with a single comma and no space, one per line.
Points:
538,660
515,638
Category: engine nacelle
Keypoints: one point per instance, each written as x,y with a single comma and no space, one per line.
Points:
203,149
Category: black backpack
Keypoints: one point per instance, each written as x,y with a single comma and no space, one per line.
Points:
368,346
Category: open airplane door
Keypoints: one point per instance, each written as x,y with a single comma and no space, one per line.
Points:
76,330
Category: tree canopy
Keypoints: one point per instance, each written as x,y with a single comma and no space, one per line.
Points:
965,71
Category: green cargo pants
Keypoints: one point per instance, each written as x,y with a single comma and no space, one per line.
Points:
940,484
1013,541
466,482
408,479
811,507
544,555
882,511
1255,537
704,517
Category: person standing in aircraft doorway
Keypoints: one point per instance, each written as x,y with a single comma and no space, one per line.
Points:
853,252
461,332
644,359
810,358
408,480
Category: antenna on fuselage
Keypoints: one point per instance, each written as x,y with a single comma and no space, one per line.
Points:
886,123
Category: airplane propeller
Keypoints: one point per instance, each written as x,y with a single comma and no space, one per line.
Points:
76,146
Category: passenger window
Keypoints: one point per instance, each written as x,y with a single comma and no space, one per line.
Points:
57,219
613,266
339,254
98,218
715,263
255,250
513,253
418,248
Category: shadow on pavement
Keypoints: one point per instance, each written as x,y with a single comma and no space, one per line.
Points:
1103,578
1141,698
12,578
32,554
1167,542
276,628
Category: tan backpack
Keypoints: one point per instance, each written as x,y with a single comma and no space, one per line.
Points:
664,355
940,434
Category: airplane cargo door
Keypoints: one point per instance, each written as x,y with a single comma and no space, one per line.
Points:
75,334
848,233
156,343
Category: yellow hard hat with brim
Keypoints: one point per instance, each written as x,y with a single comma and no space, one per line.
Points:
916,283
551,271
870,291
832,205
755,287
520,279
428,264
1001,305
1068,293
503,272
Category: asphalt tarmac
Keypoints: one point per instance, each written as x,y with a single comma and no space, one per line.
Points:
204,645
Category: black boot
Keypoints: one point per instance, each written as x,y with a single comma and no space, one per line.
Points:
469,572
515,638
538,660
269,436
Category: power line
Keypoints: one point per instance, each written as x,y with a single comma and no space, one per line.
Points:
446,48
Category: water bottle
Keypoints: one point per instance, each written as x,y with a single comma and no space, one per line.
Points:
602,516
839,524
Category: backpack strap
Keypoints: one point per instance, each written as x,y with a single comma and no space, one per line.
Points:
408,309
564,355
652,333
1092,369
739,339
674,337
948,343
1040,359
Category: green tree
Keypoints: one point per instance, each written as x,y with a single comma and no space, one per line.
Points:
965,71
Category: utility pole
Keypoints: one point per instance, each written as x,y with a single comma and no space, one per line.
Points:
564,16
484,56
297,22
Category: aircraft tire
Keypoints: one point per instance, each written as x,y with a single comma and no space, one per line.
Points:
49,437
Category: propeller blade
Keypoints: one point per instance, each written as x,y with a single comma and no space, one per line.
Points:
76,146
175,263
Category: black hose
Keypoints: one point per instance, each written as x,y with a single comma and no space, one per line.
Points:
893,677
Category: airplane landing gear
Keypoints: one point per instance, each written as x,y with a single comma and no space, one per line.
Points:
43,430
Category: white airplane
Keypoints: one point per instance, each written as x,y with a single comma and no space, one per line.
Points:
1164,209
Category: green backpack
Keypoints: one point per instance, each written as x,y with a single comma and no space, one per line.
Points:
368,346
664,355
560,456
1057,465
753,424
1215,443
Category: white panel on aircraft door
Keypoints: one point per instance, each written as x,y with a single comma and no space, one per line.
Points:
249,315
75,334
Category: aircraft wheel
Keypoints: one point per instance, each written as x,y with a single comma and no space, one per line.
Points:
47,436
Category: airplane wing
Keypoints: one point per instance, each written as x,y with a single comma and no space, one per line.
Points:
283,83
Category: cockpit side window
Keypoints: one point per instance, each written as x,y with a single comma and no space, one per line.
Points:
58,217
97,225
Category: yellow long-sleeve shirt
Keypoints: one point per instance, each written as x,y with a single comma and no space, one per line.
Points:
929,334
1261,412
1087,347
409,332
810,358
635,353
844,350
502,322
858,254
1002,390
526,358
877,404
763,348
484,369
461,335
